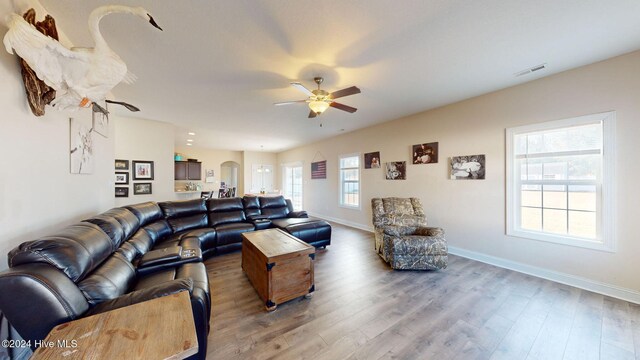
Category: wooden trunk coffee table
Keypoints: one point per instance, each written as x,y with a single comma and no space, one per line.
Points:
279,265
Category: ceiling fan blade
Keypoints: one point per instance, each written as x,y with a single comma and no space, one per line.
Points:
344,92
289,102
343,107
301,87
312,114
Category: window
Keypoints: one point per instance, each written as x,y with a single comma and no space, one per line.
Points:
559,181
292,184
350,181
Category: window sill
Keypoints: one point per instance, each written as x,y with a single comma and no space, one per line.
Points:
563,240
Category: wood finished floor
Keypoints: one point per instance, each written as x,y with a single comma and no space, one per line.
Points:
363,310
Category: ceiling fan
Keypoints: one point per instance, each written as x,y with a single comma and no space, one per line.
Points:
321,100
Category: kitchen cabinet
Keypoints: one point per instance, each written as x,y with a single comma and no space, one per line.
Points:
188,170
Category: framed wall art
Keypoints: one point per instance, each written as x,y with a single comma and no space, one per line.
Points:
122,164
319,170
122,178
142,189
122,191
142,170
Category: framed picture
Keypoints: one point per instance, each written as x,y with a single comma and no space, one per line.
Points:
141,188
101,121
467,167
425,153
122,191
319,169
372,160
142,170
122,164
80,147
122,178
396,170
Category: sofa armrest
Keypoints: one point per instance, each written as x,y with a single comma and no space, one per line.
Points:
429,231
134,297
257,217
298,214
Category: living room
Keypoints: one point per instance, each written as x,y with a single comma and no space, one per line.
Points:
591,57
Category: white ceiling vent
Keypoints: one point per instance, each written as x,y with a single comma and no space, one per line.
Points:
531,69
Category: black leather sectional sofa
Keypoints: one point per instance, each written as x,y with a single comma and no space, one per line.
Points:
135,253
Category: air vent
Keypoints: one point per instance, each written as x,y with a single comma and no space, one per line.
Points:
530,70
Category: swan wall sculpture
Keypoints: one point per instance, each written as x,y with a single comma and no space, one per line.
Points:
82,77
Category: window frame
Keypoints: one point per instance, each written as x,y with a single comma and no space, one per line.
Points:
340,181
605,212
296,164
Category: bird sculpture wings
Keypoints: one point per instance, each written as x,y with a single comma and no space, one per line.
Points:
81,76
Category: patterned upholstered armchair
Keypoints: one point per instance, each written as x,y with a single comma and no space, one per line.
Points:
403,238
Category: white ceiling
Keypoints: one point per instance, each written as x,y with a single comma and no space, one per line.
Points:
219,65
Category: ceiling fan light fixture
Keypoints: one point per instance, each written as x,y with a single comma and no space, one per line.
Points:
318,106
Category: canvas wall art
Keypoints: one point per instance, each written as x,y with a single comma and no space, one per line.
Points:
468,167
396,170
372,160
425,153
80,146
101,121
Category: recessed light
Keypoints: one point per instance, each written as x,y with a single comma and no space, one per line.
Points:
189,144
190,140
192,133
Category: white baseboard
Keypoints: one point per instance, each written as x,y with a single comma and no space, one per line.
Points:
572,280
343,222
567,279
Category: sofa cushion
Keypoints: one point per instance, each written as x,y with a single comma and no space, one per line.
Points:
224,204
205,238
128,250
219,218
142,241
76,250
251,206
179,209
269,202
111,227
188,222
275,213
113,278
231,233
126,218
145,212
158,230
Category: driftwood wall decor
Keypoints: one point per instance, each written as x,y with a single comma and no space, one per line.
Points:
39,94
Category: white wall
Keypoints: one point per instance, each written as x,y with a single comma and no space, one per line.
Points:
38,195
147,140
473,212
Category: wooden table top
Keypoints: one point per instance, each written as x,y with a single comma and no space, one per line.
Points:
276,244
161,328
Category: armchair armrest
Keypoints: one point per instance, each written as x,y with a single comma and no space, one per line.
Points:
298,214
397,230
134,297
429,231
